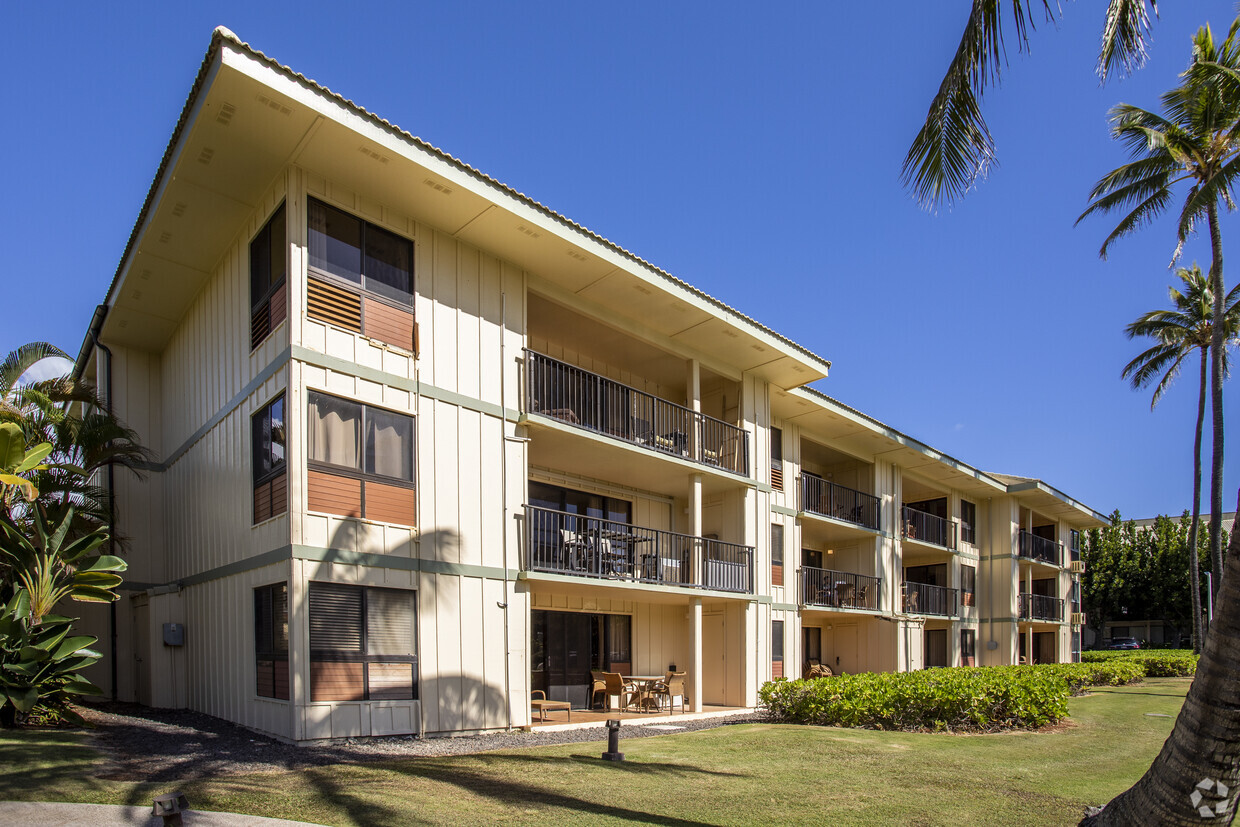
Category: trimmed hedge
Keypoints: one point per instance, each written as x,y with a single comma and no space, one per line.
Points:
963,698
1158,663
976,699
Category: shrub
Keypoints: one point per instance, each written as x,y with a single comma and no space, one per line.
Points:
962,698
1158,663
1104,673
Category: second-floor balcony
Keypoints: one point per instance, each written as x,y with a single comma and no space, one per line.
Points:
819,496
595,403
559,542
927,528
1040,549
838,589
925,599
1041,607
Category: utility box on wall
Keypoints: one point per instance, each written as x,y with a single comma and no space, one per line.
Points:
174,634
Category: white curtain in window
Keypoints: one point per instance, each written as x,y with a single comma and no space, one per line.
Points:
335,431
389,444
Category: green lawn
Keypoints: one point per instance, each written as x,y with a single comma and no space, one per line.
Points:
749,774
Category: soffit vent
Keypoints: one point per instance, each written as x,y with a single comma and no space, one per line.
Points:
206,155
521,228
571,253
135,295
225,116
145,275
179,209
437,187
165,237
365,150
641,288
274,106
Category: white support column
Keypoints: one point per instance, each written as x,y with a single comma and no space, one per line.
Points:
751,677
693,390
695,636
696,569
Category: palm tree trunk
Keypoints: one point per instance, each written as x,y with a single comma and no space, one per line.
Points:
1205,743
1216,398
1194,565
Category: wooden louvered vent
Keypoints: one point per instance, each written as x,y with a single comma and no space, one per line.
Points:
328,303
777,478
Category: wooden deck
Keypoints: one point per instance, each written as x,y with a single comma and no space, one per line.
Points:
597,718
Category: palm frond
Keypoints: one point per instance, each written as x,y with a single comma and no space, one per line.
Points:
1123,36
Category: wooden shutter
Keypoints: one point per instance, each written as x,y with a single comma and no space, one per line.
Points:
334,305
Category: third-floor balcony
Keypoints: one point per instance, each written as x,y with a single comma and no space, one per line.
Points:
819,496
927,528
595,403
925,599
560,542
1041,607
1040,549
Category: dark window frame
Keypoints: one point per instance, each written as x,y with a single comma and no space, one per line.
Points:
777,545
968,583
361,655
777,641
272,647
261,250
262,431
364,453
363,279
968,522
968,645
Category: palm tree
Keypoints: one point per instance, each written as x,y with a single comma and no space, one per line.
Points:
1177,333
1197,142
954,147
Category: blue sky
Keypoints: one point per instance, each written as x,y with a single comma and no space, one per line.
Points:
751,151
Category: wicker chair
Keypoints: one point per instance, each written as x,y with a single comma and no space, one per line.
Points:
616,687
672,687
598,686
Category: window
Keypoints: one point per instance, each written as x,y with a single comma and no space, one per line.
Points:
968,522
271,641
777,648
968,647
1074,544
362,644
935,654
777,555
268,267
361,460
267,440
968,583
777,459
357,251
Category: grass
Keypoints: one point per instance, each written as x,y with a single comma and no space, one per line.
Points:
752,774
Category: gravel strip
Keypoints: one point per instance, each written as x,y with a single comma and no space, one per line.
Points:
142,744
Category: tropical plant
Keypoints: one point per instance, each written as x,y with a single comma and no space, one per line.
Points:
954,147
1197,142
16,460
1177,334
40,659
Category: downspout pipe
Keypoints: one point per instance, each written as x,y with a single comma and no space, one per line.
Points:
96,324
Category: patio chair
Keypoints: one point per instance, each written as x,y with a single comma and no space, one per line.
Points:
616,687
598,686
862,594
672,687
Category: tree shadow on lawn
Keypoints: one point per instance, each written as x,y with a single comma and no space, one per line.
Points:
59,768
1100,690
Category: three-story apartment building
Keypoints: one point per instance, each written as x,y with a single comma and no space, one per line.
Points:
425,445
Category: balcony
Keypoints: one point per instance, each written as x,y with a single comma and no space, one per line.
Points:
558,542
819,496
927,528
1041,607
925,599
838,589
594,403
1040,550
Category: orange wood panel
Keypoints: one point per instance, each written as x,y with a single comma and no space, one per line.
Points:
336,681
331,494
389,324
391,503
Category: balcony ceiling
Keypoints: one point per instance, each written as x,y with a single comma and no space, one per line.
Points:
249,121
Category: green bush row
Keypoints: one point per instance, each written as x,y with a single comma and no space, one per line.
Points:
1158,663
962,698
1078,676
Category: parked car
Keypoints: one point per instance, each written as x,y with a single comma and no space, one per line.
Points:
1124,643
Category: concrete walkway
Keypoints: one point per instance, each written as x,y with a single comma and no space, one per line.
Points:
27,813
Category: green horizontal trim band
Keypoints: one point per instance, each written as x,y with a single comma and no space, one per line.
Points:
787,512
254,384
333,363
386,561
784,607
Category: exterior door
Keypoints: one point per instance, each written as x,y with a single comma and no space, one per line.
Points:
142,650
714,660
845,653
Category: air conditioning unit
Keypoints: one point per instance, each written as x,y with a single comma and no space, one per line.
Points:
1077,566
1078,618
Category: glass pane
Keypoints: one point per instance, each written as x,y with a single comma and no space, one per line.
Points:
389,622
277,432
389,264
278,246
260,440
389,444
335,430
777,640
260,265
620,511
390,681
335,242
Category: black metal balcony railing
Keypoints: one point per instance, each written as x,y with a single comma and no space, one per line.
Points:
1041,607
918,525
820,496
925,599
564,543
823,587
1033,547
595,403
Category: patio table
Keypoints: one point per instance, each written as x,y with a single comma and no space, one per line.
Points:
643,684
